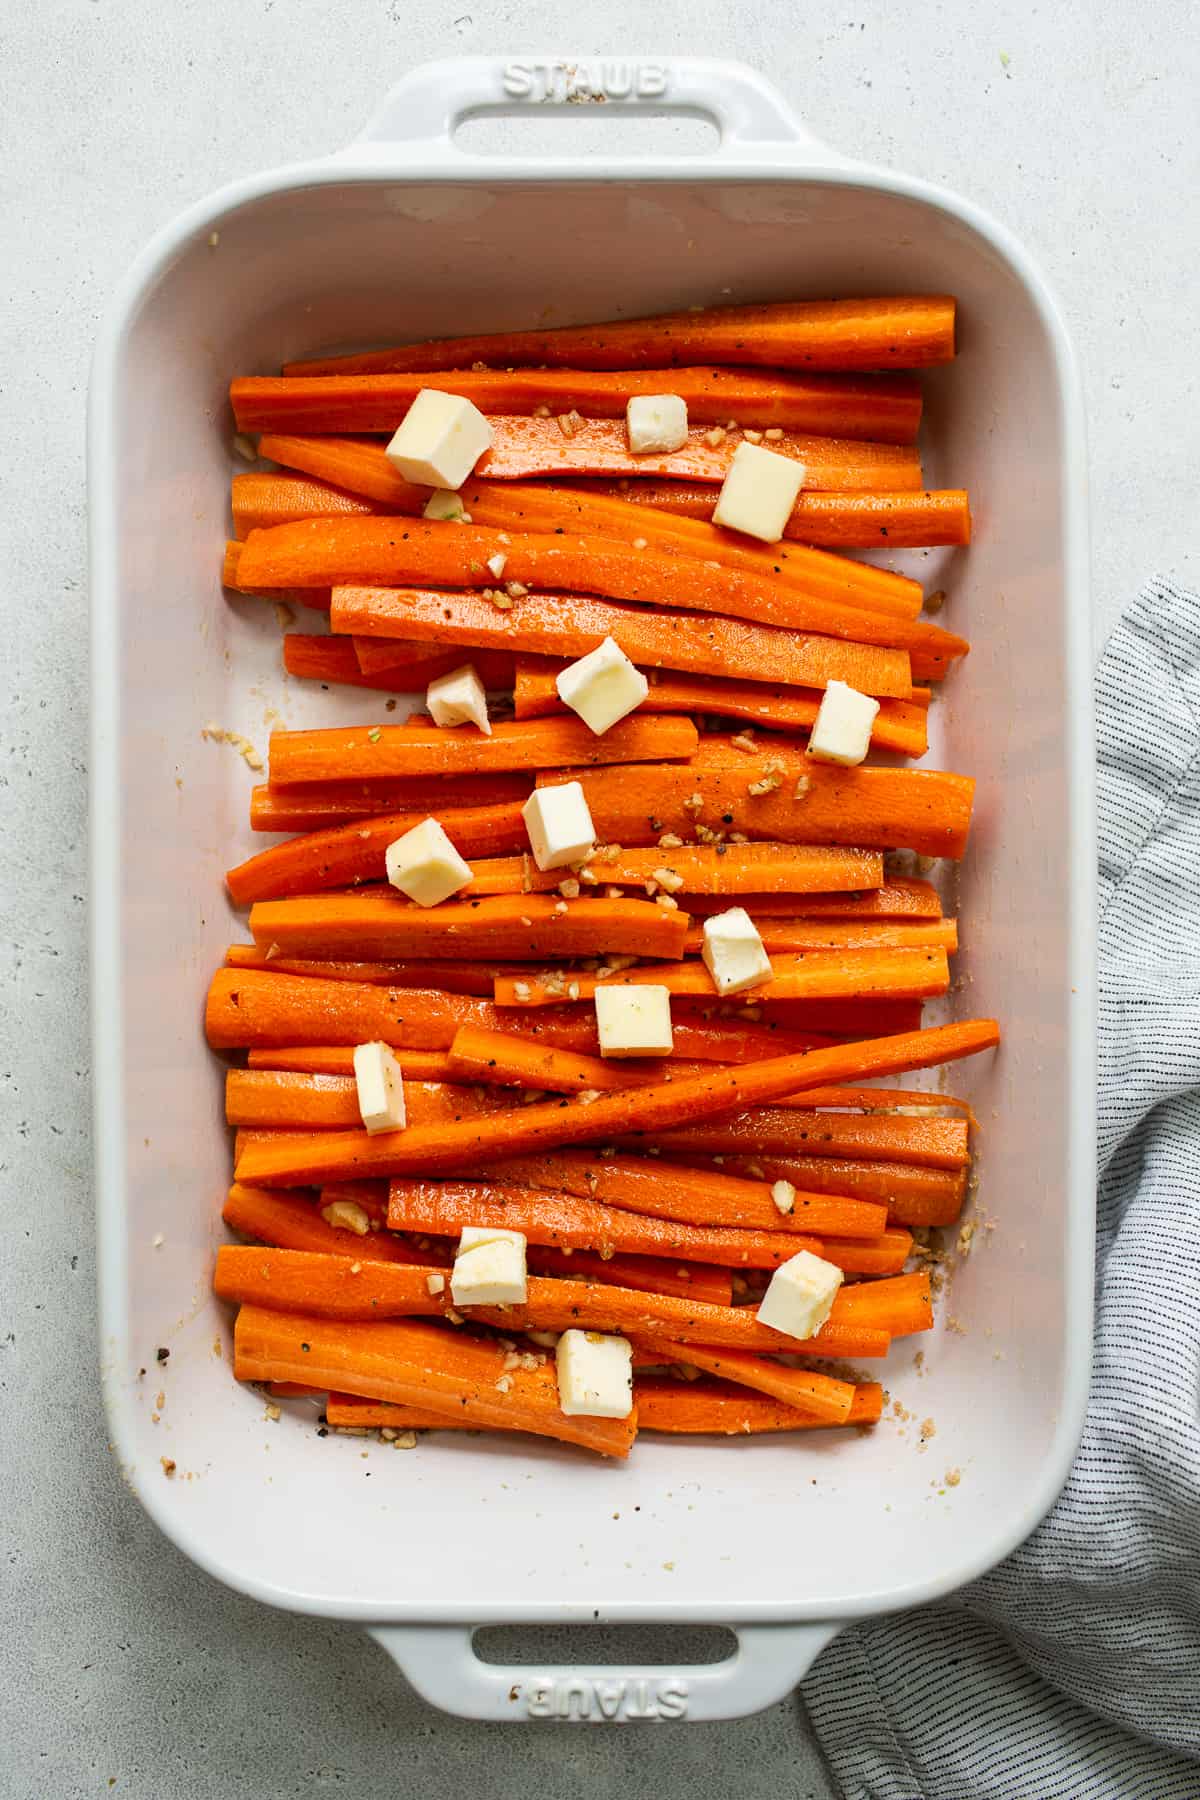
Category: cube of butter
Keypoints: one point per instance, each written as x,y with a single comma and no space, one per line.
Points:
559,825
489,1268
759,492
595,1375
380,1087
425,865
656,423
800,1295
602,686
439,440
458,698
841,732
733,952
634,1021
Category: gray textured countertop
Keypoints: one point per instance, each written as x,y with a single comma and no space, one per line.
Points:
126,1671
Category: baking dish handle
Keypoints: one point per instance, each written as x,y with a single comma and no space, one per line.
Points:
424,109
441,1664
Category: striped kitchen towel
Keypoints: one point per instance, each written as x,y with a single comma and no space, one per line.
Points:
1072,1672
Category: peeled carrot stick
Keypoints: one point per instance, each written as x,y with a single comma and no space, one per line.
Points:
250,1008
822,1397
291,1222
569,625
425,1148
898,898
317,598
523,927
771,1131
901,332
338,1059
260,501
346,854
708,1196
338,802
427,1367
441,1209
923,810
535,506
795,935
346,1412
887,408
429,553
716,1408
808,975
341,1286
837,1018
285,1100
900,725
913,1194
700,868
885,1255
834,521
475,978
392,752
314,657
902,1305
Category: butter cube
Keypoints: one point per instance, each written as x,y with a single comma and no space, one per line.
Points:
380,1088
444,504
425,865
559,825
595,1375
458,698
842,730
656,422
800,1296
602,686
439,441
733,952
489,1268
634,1021
759,492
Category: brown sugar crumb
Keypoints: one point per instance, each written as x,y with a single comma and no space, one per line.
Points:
273,1412
928,1429
966,1234
168,1466
952,1477
956,1326
934,602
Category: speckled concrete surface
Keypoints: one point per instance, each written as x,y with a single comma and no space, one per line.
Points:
125,1670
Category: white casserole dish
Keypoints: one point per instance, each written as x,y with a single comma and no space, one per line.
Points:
404,234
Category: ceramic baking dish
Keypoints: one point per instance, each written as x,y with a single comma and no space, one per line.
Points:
405,234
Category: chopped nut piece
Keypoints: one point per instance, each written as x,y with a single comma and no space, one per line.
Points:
273,1412
435,1284
714,438
560,906
516,590
766,784
801,788
570,423
773,434
569,889
934,602
744,741
669,841
522,990
669,879
504,1384
752,437
347,1215
668,902
404,1440
694,802
952,1477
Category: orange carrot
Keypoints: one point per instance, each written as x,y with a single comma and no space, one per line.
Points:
289,1222
441,1209
833,521
898,898
346,854
902,1305
392,752
901,332
822,1397
475,978
315,597
313,657
429,553
337,802
260,501
346,1412
844,1018
773,1131
796,935
427,1148
426,1367
286,1100
707,1196
807,975
913,1194
717,1408
900,725
700,868
523,927
561,625
338,1059
803,802
886,408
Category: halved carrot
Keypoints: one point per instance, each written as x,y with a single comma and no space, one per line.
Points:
569,625
900,725
316,598
260,501
345,854
901,332
338,1059
822,1397
429,553
898,898
902,1305
774,1131
696,1196
886,408
316,657
807,975
427,1148
860,1018
798,935
913,1194
427,1367
691,1408
833,521
337,803
251,1008
700,868
293,1222
443,1208
924,810
285,1100
475,978
347,1412
521,927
